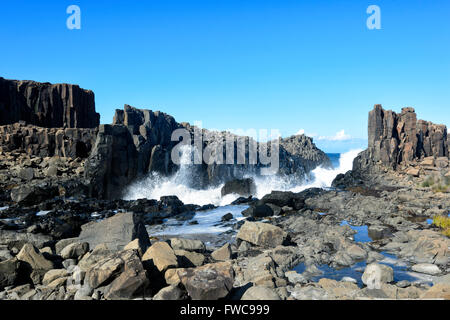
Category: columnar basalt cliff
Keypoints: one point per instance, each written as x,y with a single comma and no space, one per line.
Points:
47,142
47,105
47,120
395,140
139,142
400,143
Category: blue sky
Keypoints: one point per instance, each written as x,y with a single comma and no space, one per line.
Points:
286,65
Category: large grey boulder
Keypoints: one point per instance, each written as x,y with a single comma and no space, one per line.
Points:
258,211
131,281
375,275
208,282
260,293
9,272
17,240
262,234
115,232
123,272
187,244
162,256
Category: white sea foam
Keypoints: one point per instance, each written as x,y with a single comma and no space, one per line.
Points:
155,186
209,222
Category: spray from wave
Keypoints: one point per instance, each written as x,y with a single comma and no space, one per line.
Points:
155,186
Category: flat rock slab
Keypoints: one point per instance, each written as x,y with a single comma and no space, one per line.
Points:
262,234
426,268
115,232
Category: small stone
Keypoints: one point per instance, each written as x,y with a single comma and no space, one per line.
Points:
227,217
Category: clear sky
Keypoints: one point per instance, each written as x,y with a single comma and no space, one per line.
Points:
287,65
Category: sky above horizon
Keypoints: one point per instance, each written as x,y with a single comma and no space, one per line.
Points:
294,66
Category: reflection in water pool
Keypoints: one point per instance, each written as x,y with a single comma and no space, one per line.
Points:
362,232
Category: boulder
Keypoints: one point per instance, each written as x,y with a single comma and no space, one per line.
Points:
9,272
75,250
31,255
33,194
189,258
61,244
17,240
54,274
258,211
260,293
172,276
413,172
131,282
227,217
123,271
115,232
242,187
162,256
356,252
100,252
187,244
169,293
224,253
376,274
426,268
262,234
137,245
208,282
35,262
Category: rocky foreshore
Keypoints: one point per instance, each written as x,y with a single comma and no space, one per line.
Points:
381,232
115,257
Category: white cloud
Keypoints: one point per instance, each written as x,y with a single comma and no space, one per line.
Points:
302,131
339,136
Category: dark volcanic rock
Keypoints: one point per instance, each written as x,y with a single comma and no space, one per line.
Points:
112,163
242,187
140,141
47,142
30,195
116,232
10,273
396,139
290,199
258,211
47,105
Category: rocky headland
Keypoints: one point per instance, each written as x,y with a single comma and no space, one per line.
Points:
65,233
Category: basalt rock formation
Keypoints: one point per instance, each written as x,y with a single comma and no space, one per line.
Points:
47,142
140,141
59,120
47,105
399,142
398,139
